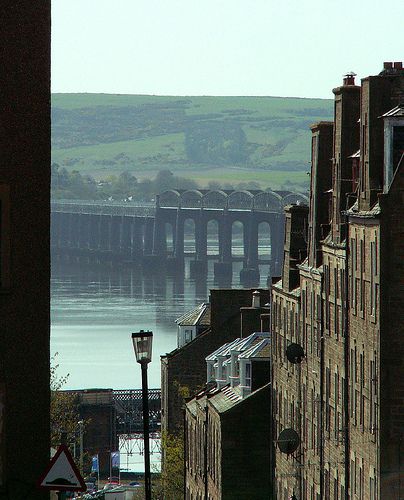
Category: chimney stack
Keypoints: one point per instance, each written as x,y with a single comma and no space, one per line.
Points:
256,299
349,78
295,248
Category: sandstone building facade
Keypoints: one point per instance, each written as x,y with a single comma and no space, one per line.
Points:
227,425
340,299
183,371
24,247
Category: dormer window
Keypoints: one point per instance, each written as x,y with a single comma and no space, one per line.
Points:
393,143
248,374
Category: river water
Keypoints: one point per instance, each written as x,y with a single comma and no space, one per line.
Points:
95,308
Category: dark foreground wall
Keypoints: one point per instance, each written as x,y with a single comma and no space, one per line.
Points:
24,246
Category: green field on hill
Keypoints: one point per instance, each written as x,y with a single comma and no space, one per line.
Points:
226,139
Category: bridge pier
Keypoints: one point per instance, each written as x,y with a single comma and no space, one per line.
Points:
126,239
176,263
73,232
277,237
84,226
105,234
148,237
94,233
250,273
115,236
198,268
222,271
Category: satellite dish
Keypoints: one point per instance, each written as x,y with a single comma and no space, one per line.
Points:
288,441
295,353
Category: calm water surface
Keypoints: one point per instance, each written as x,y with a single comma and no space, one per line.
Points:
94,309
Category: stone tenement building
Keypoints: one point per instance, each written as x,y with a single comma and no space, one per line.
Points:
338,309
227,425
183,371
24,247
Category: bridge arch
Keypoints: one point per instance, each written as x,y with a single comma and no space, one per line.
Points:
170,198
215,199
295,199
191,199
241,200
268,201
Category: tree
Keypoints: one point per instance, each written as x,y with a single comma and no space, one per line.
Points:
172,474
64,414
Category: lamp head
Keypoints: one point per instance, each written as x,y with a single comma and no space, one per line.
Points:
142,344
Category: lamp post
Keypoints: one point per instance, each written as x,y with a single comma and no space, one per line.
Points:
81,424
142,344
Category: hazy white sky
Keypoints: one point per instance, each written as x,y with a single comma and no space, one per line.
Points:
221,47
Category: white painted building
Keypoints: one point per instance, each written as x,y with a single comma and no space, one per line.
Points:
192,323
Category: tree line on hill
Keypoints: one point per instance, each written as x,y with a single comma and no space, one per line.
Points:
125,186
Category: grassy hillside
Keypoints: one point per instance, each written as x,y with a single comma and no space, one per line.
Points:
265,139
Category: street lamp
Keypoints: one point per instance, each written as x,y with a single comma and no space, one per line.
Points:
142,344
81,425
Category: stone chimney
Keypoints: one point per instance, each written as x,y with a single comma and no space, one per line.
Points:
380,94
295,248
320,188
251,316
346,143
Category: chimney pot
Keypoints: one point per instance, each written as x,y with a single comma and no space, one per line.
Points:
349,78
387,65
398,65
256,302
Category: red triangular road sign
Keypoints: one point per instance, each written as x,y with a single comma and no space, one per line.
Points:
62,473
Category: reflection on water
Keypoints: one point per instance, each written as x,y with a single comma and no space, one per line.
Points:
94,309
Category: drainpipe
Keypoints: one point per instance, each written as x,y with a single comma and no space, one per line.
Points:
185,454
346,361
205,452
322,390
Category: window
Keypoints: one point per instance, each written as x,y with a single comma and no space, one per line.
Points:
353,274
336,389
373,272
4,236
248,374
188,336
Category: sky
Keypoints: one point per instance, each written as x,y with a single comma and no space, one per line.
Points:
291,48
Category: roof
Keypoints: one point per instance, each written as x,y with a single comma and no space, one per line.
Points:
230,397
396,112
222,350
198,316
260,349
373,212
238,345
226,398
357,154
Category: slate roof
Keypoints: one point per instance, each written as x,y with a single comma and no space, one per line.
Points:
238,345
199,316
373,212
397,111
226,398
259,349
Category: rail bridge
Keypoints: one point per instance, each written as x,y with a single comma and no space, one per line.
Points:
112,416
143,232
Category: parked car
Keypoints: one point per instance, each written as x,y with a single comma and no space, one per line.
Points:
91,487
